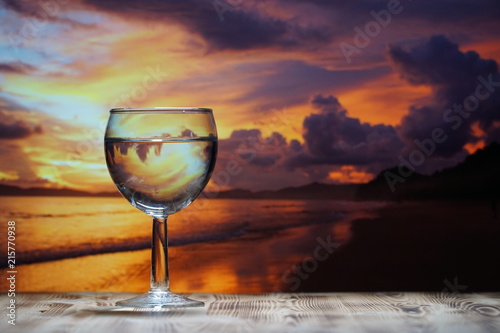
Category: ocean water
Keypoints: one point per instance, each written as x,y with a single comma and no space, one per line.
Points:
218,245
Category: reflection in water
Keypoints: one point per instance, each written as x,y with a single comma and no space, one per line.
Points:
160,178
141,150
219,246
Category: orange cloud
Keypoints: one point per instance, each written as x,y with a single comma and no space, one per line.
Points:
350,174
382,101
487,49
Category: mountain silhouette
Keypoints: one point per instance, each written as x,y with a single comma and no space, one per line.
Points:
313,191
477,177
51,192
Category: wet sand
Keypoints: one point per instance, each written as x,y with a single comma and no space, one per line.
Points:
252,263
416,246
411,246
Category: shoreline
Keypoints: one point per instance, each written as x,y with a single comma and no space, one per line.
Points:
96,246
409,246
254,262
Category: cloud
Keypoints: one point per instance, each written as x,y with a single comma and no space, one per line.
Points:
242,27
40,150
36,14
249,160
23,7
249,146
443,11
453,76
11,128
19,166
294,81
7,104
333,138
450,12
243,31
440,63
17,67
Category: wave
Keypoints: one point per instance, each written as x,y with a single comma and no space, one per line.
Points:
24,215
224,232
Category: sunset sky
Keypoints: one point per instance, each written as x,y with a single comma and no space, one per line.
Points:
302,91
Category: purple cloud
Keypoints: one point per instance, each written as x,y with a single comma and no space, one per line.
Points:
454,76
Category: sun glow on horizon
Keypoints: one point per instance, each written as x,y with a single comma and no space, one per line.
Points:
60,77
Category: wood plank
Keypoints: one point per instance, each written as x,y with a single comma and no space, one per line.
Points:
322,312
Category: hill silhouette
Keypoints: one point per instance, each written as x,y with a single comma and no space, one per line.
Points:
313,191
50,192
477,177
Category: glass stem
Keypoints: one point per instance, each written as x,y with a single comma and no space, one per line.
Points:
159,256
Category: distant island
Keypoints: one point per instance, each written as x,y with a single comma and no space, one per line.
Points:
7,190
311,191
478,177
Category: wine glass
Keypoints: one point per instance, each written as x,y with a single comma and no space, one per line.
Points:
160,159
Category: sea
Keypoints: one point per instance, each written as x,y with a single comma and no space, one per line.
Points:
215,245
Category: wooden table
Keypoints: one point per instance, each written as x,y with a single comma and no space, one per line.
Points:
328,312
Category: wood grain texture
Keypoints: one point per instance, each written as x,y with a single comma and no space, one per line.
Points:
325,312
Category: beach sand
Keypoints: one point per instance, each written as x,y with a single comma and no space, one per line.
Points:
416,246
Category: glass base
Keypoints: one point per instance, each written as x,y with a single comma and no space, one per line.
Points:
160,299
